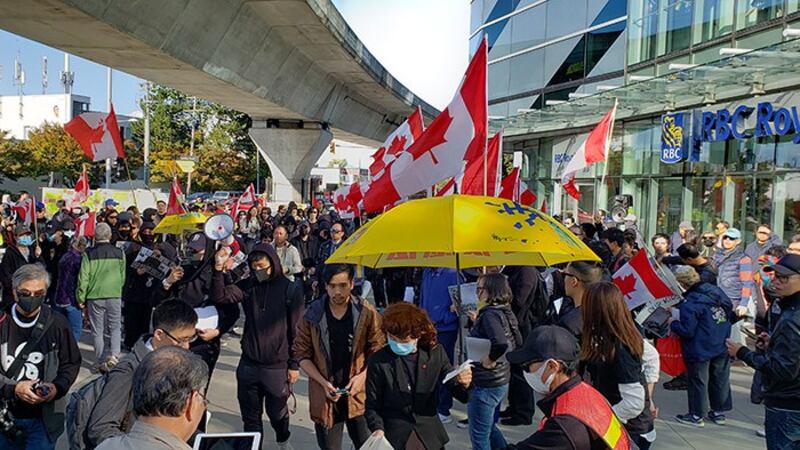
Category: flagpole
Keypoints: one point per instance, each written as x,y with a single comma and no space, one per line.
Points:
108,93
130,183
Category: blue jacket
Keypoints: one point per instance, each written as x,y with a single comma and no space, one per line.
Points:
434,298
705,322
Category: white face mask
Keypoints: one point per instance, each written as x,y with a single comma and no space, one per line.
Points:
535,380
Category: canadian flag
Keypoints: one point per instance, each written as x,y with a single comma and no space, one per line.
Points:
26,210
81,189
98,135
514,189
639,282
84,225
397,142
543,208
594,149
455,136
484,167
248,197
174,205
349,199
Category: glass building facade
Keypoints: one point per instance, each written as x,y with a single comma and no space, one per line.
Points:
608,42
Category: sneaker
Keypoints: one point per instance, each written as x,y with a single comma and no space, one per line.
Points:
761,433
463,423
690,419
506,413
717,418
285,446
445,419
678,383
514,422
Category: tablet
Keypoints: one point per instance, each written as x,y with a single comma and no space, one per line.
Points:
227,441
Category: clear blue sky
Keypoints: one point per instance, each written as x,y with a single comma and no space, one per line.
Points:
425,48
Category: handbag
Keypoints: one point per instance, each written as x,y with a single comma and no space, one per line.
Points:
670,355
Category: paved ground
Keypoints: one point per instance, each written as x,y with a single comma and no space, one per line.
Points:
739,433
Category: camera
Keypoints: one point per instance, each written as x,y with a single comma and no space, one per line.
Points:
8,426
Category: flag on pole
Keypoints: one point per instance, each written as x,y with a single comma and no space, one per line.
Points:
248,197
347,199
26,210
397,142
543,208
174,205
97,134
81,188
526,196
84,224
594,149
455,136
481,175
639,282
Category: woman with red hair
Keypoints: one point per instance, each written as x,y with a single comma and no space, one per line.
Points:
403,380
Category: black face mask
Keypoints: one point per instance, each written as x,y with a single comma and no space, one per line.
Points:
261,275
124,235
29,304
147,239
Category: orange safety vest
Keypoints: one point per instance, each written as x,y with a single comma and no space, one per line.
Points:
590,407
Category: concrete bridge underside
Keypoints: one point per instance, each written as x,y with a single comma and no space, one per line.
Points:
294,66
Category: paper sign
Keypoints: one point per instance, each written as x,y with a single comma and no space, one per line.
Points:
468,300
207,318
408,295
154,265
453,373
478,348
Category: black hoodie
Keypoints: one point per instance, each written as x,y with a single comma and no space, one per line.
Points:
271,309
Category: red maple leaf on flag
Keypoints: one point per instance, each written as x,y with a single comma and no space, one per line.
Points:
626,284
398,144
433,137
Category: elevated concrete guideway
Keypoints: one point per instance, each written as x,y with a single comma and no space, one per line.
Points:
289,64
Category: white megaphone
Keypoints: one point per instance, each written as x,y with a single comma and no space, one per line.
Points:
219,227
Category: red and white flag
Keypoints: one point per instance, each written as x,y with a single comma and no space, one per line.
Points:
84,225
639,282
514,189
174,205
594,149
26,211
455,136
543,208
448,188
397,142
98,135
248,197
81,193
347,200
484,167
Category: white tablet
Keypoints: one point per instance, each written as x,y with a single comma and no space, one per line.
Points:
227,441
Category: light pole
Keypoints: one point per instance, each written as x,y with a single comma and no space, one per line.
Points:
191,146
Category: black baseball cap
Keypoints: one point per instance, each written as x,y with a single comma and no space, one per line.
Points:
547,342
787,266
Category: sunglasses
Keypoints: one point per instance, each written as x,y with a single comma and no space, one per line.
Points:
728,238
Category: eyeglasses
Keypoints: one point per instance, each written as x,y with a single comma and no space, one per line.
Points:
205,399
182,341
784,278
21,294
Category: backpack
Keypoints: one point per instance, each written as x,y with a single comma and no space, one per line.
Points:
79,411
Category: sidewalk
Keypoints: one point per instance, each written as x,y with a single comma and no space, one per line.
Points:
739,433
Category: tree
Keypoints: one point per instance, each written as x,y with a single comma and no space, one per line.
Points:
340,163
8,156
50,149
226,154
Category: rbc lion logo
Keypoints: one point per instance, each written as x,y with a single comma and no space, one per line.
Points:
672,134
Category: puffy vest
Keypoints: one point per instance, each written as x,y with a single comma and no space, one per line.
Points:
592,409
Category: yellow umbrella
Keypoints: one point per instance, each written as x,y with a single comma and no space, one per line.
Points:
462,231
178,223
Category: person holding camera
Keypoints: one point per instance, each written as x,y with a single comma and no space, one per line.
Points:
334,339
39,361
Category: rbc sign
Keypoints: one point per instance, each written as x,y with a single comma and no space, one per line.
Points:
673,138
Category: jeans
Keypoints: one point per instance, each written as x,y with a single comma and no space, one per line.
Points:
448,340
258,388
34,437
105,316
331,439
481,409
75,318
709,380
782,428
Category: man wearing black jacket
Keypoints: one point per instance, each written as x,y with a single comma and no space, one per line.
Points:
779,363
529,305
192,284
36,385
272,307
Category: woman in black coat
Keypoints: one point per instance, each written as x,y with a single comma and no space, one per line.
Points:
403,379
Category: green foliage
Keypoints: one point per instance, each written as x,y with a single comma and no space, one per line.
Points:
340,163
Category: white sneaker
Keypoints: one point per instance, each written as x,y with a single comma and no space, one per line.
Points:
285,446
761,433
445,419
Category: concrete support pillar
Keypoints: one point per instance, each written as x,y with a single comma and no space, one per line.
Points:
291,148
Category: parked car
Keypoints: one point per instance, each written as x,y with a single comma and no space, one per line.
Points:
202,196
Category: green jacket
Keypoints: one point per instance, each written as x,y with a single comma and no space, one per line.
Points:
102,273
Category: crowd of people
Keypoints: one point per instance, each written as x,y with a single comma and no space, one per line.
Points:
377,360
